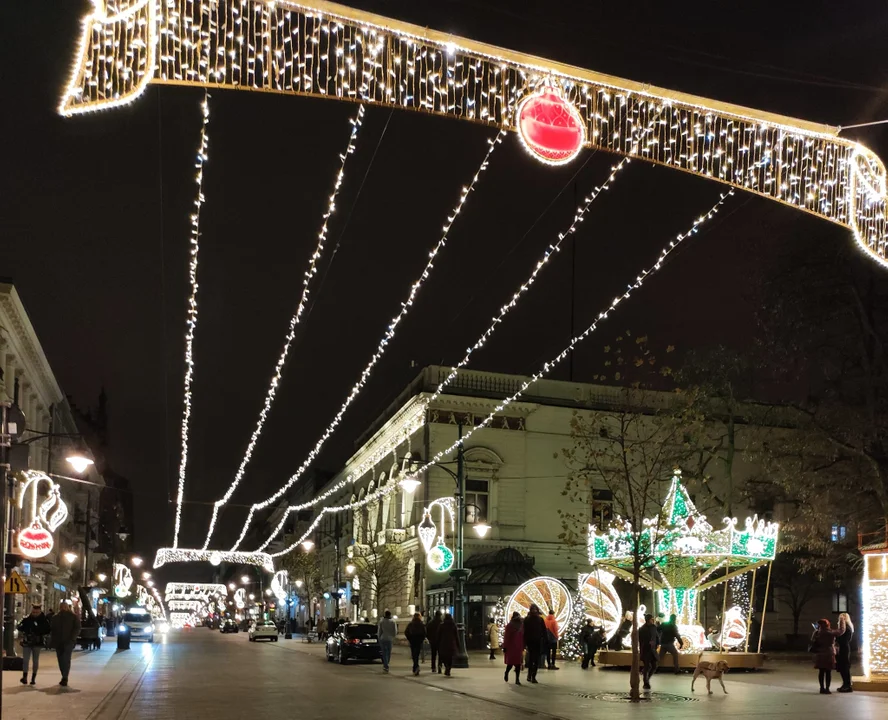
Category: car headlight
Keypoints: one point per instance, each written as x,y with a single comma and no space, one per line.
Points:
121,628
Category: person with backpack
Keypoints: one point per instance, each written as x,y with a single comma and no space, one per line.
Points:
552,631
32,634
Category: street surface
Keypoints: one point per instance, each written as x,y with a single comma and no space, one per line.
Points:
202,674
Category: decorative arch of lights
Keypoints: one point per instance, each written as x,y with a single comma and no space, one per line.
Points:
194,591
214,557
328,50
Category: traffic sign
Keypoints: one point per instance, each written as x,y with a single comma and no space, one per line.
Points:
15,585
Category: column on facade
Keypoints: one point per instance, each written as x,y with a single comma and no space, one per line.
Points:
7,389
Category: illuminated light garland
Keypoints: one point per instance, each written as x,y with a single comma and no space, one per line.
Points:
356,123
279,585
191,320
170,555
194,591
380,348
327,51
123,580
546,368
579,215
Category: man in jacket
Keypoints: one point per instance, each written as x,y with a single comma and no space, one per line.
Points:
648,637
669,635
32,631
534,632
388,631
65,631
432,630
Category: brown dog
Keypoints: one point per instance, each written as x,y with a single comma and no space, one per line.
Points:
711,671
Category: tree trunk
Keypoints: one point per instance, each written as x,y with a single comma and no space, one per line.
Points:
634,673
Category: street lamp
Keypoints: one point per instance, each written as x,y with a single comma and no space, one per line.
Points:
298,583
137,561
308,545
350,569
102,577
231,586
70,557
146,576
79,462
245,579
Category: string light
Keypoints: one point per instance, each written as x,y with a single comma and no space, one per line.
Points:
194,591
546,368
291,47
191,319
383,343
356,123
168,555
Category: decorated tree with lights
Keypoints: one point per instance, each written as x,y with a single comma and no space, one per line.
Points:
571,646
629,451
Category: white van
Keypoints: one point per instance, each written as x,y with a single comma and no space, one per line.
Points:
139,623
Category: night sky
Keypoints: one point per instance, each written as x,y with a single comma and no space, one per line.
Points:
94,219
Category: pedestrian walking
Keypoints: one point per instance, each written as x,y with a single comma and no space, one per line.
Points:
64,630
322,629
552,631
823,645
32,634
587,638
387,632
669,635
432,635
513,647
415,634
648,637
448,642
534,632
843,656
492,637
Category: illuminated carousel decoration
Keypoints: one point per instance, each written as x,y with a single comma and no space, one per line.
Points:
123,580
439,557
35,539
547,594
683,555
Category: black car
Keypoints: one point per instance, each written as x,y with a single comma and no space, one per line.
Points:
228,626
354,641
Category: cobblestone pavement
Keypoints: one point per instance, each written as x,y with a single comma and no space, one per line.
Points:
202,674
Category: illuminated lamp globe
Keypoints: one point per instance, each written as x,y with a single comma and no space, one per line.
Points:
410,484
550,127
79,462
245,579
70,557
350,569
231,586
307,544
102,577
137,561
481,529
268,592
215,559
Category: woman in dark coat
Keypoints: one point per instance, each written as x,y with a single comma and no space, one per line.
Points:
432,634
415,634
843,656
534,634
823,645
447,643
513,647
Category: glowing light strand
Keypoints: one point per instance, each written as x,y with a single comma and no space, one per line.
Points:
546,368
504,310
191,319
356,123
383,343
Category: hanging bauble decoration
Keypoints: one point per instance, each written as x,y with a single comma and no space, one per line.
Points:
123,580
35,540
278,585
550,127
427,531
440,558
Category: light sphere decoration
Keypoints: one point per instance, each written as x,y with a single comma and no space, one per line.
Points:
215,559
546,593
440,558
550,127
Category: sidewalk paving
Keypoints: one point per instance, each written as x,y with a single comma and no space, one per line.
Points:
781,691
95,679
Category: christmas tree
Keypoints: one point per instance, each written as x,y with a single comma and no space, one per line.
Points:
571,646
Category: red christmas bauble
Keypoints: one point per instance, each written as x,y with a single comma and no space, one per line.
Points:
550,127
35,541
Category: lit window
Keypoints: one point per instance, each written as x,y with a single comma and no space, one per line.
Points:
602,508
840,601
477,494
838,533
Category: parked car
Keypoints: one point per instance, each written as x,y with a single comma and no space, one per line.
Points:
228,626
264,630
353,641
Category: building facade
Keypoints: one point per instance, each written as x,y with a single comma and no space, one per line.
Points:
50,436
516,481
